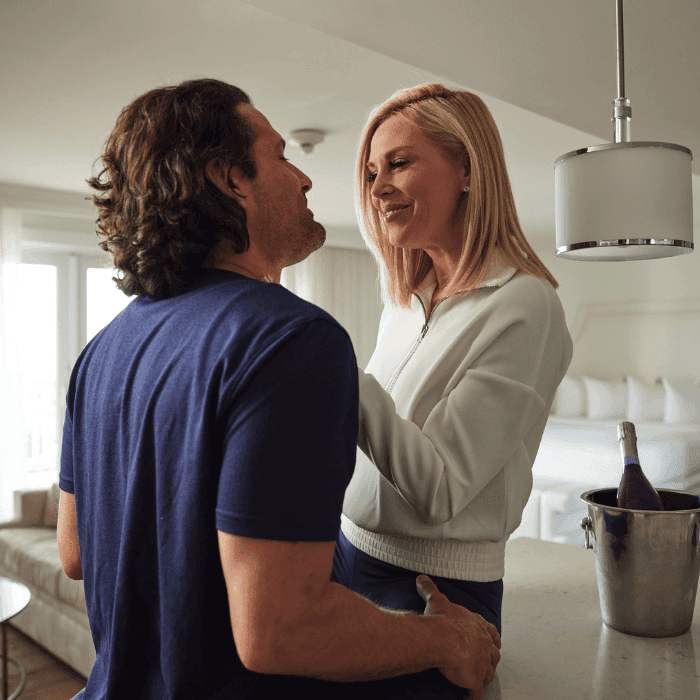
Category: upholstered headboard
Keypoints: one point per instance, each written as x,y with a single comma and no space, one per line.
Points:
647,340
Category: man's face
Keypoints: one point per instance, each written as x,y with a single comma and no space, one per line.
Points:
279,220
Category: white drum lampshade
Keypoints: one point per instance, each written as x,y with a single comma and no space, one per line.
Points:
627,200
624,201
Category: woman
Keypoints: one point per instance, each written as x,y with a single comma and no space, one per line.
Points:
472,346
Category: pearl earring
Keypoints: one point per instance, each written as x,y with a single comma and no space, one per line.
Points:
466,188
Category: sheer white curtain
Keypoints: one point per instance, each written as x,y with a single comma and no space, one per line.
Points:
11,403
344,283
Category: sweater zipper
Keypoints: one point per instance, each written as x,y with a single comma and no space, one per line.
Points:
424,330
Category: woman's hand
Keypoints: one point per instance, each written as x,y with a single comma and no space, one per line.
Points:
476,654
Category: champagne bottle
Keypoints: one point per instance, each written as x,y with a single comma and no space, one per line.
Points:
635,490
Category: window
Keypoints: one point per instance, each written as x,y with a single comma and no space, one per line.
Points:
38,363
104,299
66,298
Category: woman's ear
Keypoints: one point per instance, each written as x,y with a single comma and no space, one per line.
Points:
467,172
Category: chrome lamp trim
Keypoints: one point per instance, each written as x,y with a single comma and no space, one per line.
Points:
624,242
624,144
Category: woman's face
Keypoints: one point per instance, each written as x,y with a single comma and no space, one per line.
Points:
417,188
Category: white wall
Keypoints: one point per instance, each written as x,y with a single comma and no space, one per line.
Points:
654,282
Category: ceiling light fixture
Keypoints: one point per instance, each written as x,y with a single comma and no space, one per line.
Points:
627,200
306,139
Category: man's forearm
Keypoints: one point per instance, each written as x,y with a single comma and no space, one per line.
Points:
346,637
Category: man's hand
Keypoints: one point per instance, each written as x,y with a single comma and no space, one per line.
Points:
476,653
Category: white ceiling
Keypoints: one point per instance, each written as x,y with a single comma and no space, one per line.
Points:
546,69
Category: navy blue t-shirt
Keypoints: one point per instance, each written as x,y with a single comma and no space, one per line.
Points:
231,406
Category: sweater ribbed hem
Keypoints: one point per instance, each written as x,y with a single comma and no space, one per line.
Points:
463,561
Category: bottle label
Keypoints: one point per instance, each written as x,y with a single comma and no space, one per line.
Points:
630,459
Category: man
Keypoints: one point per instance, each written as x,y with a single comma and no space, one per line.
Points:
211,431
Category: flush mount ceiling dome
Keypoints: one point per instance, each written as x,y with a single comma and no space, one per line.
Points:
306,139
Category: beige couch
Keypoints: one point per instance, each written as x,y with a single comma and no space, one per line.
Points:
56,616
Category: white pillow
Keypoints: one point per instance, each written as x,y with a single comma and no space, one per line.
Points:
606,400
570,401
645,401
682,402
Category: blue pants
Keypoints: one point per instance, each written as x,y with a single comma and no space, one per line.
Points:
392,587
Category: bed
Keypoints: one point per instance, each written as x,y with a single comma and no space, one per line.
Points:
636,362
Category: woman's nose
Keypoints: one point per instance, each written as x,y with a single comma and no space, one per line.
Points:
381,185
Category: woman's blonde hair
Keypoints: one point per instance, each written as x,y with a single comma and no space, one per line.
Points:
463,126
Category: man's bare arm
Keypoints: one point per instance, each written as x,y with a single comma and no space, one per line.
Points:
289,618
67,535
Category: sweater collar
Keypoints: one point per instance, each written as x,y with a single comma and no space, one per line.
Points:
497,275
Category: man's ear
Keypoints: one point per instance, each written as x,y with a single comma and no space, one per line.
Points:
220,175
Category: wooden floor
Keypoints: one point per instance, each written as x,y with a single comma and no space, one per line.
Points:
47,677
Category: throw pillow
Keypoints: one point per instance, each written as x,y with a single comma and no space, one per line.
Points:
645,401
606,400
570,401
51,509
682,401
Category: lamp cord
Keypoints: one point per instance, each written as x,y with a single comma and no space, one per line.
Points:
620,52
622,110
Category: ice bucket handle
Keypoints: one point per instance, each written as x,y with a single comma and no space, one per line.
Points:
587,526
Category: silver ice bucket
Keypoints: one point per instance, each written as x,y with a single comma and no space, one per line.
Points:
647,562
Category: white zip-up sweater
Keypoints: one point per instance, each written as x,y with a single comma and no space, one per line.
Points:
452,412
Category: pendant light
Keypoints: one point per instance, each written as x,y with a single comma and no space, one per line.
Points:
627,200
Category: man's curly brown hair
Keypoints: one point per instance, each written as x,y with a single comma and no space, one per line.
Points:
159,214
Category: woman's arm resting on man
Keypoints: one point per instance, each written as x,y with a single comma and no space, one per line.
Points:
480,423
465,442
289,618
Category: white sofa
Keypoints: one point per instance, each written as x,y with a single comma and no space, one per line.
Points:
56,616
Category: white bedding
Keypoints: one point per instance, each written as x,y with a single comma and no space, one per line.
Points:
578,454
586,451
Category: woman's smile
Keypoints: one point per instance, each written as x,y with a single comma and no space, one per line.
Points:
392,212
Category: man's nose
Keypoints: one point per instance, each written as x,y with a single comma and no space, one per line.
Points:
304,179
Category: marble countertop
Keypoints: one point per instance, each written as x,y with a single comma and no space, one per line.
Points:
556,646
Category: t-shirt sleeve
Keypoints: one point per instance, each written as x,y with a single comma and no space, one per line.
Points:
290,440
65,480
